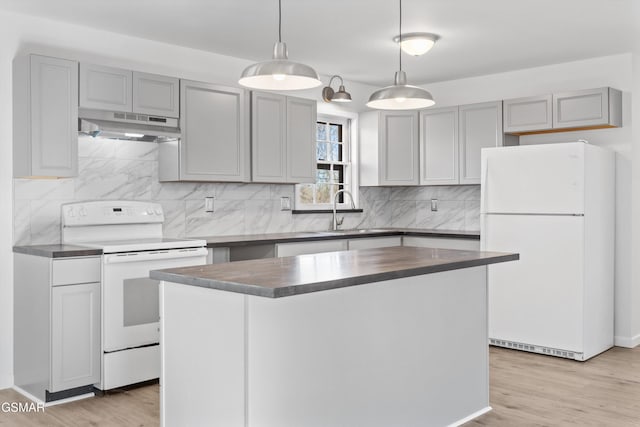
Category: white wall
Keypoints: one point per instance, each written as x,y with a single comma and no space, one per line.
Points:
614,71
24,34
634,293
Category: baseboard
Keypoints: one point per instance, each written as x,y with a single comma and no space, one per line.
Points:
628,342
471,417
54,402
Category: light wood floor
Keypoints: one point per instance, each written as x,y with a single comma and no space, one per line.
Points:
526,390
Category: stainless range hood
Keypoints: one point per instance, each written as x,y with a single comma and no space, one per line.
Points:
127,126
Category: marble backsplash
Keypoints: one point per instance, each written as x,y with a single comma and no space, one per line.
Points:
129,170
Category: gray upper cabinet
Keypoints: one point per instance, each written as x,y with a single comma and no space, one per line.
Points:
45,117
282,138
105,88
439,146
600,107
528,114
398,148
389,152
214,144
268,137
480,127
301,141
156,95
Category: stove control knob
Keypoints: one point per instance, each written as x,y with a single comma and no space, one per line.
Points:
158,211
82,212
149,211
71,212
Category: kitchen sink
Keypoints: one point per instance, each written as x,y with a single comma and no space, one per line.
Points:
359,230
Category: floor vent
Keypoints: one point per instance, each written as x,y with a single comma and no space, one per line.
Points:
536,349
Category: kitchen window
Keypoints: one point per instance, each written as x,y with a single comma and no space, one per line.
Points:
334,169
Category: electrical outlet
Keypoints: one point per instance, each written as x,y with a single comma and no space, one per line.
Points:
208,204
285,204
434,205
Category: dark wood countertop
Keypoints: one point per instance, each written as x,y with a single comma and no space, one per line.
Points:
57,251
272,238
281,277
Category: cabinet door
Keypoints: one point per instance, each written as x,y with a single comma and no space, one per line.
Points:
156,95
441,242
303,248
214,144
54,118
105,88
398,148
75,336
581,108
301,140
480,127
439,146
268,137
374,242
527,114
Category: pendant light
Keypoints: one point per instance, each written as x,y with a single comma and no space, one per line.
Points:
279,73
400,96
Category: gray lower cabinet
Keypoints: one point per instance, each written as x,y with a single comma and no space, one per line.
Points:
45,117
389,148
315,247
105,88
215,136
75,336
374,242
57,332
282,138
441,242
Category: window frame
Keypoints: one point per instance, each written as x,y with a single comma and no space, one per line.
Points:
349,154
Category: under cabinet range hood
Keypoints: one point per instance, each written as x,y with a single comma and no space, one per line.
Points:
127,126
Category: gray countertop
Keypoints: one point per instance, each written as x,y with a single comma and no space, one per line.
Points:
281,277
254,239
62,250
57,251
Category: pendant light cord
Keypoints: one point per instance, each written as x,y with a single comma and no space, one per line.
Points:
399,42
280,21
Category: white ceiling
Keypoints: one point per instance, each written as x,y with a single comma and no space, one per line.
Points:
353,37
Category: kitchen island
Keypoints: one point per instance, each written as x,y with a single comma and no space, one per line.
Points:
375,337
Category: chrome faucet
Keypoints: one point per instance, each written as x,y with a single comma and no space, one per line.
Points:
337,222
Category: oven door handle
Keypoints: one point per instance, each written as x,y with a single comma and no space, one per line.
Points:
154,255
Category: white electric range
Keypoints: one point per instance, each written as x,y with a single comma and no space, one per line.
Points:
130,236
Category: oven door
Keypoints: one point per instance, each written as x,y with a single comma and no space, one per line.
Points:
130,306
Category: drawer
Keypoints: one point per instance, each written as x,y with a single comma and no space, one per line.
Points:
75,270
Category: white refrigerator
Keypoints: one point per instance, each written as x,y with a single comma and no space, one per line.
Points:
554,205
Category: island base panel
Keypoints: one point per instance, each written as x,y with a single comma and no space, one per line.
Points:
410,352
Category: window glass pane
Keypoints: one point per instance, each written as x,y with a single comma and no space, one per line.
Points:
334,133
336,153
306,194
321,131
321,151
323,193
335,176
322,175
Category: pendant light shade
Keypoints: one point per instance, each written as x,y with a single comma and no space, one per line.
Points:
400,95
279,73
